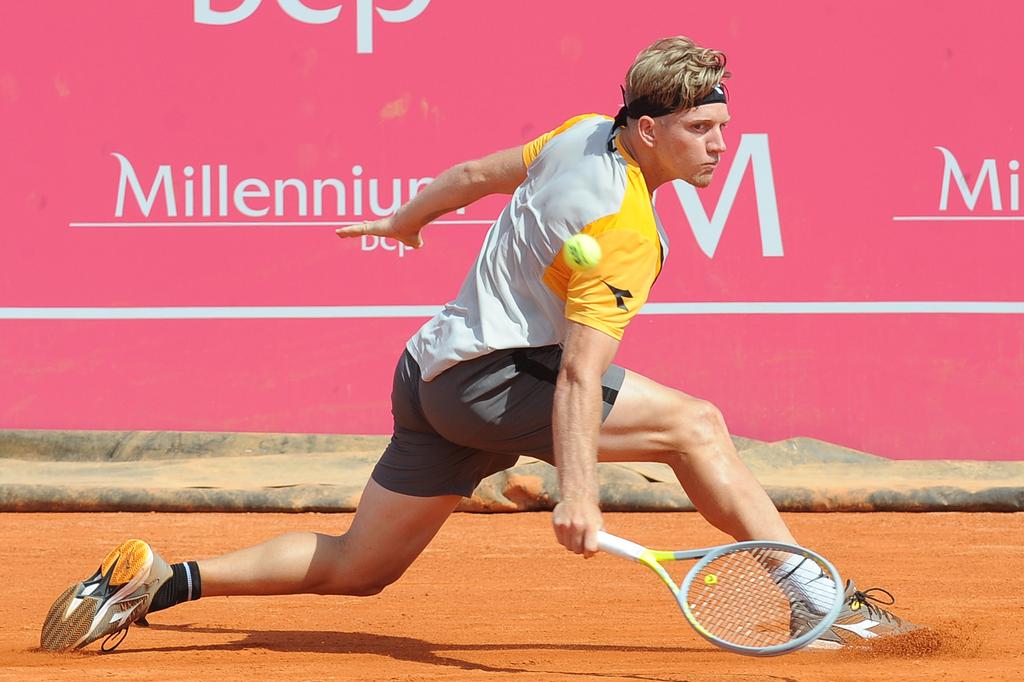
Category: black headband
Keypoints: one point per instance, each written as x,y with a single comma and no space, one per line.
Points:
642,106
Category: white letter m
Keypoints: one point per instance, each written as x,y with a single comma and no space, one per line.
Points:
752,150
970,196
145,202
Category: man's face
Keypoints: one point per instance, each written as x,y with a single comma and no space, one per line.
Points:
690,143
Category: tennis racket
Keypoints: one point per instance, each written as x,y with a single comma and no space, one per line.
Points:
754,598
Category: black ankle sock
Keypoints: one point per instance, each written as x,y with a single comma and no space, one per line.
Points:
184,585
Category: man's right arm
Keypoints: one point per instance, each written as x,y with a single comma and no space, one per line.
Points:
600,302
576,423
460,185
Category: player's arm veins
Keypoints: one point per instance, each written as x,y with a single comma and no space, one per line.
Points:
464,183
576,414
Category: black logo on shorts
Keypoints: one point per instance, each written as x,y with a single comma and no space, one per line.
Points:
620,296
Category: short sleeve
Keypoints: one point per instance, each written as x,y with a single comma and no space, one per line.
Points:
609,295
532,149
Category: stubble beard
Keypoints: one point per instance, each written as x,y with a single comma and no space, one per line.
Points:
702,179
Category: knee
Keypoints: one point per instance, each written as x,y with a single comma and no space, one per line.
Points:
353,575
699,424
365,587
355,584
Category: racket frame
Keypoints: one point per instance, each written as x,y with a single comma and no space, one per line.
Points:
653,558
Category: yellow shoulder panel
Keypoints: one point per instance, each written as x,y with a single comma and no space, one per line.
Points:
609,295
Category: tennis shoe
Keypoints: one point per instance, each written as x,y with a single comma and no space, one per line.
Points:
860,619
106,603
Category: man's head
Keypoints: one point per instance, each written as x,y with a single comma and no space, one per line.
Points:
677,109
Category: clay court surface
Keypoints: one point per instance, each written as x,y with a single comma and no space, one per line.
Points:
495,596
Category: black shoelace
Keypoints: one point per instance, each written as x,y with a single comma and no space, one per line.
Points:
120,635
865,598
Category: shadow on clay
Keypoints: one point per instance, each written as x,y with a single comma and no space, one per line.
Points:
407,649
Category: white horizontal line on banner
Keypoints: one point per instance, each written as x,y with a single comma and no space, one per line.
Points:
343,223
420,311
260,223
834,307
214,313
956,218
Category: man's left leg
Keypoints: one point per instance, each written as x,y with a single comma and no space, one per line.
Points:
387,534
389,531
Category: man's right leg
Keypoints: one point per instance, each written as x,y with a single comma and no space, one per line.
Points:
389,531
651,422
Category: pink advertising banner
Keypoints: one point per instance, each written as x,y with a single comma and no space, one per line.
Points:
172,173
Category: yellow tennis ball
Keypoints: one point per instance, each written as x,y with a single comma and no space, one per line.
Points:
581,252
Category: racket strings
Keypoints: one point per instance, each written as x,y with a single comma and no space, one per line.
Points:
735,599
758,597
802,579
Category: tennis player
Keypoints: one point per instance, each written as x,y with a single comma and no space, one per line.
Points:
519,363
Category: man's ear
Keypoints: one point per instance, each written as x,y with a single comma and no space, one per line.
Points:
646,130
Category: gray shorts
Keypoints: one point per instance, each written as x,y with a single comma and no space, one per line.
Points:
473,419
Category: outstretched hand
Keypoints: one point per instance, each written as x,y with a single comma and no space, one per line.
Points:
383,227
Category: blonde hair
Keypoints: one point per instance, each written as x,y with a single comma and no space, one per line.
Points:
675,73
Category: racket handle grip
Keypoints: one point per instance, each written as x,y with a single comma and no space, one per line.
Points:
613,544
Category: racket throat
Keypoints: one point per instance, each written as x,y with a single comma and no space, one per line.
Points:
648,560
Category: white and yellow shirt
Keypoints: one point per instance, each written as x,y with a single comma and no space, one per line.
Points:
520,292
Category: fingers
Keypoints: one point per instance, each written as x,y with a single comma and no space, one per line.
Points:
570,536
385,227
357,230
576,525
590,541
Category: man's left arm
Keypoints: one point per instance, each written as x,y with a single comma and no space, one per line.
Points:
460,185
